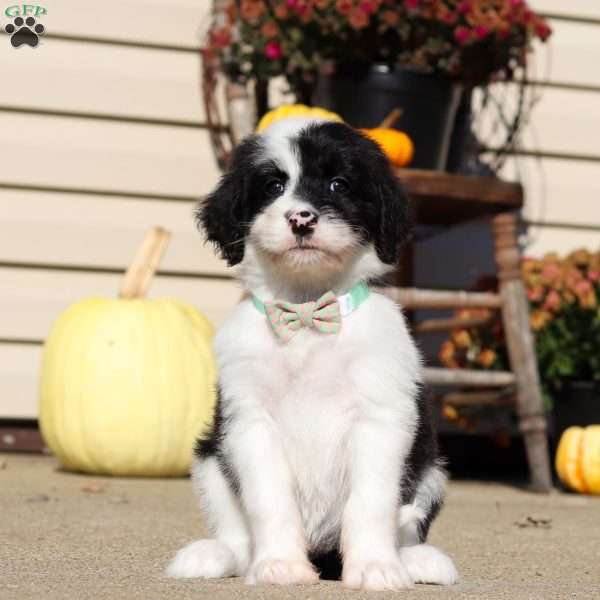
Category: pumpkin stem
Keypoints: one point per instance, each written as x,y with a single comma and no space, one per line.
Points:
139,274
391,119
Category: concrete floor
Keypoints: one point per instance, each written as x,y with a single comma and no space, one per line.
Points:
66,536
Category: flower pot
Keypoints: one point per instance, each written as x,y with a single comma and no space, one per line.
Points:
364,96
576,403
463,156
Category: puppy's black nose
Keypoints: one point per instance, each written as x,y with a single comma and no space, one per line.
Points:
303,222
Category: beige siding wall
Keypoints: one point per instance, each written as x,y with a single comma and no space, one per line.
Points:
102,136
560,162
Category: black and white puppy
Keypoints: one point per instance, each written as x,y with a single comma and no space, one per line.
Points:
321,457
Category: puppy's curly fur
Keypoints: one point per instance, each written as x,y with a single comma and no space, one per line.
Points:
321,458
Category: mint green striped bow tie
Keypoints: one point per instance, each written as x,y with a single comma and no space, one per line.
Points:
287,318
324,314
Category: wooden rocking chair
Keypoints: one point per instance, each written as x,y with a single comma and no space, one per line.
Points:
449,199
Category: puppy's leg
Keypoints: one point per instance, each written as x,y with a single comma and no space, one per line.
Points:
377,453
428,564
425,563
280,553
227,553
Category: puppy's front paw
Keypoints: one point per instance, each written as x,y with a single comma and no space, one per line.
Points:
377,576
204,558
282,572
427,564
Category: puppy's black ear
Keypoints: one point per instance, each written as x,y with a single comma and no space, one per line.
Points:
395,221
222,214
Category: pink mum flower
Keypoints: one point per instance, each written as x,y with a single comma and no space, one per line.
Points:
273,50
221,38
367,6
301,7
551,272
462,35
535,293
481,31
586,294
543,31
552,302
583,287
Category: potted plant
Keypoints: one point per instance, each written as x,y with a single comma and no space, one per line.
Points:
362,58
564,296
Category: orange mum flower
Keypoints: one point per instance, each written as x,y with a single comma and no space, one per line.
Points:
461,338
539,319
487,357
586,294
580,257
358,18
391,18
344,7
252,10
269,29
281,11
447,353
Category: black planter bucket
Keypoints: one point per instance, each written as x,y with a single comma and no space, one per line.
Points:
365,96
577,403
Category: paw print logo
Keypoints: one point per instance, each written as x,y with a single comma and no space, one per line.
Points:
24,31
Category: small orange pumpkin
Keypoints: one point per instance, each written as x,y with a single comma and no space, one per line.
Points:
396,145
578,459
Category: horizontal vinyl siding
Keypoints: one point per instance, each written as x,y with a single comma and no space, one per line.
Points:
104,80
103,136
559,124
570,56
100,232
577,9
563,121
559,156
101,155
169,23
19,368
37,296
565,191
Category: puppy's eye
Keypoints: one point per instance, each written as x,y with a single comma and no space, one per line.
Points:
339,185
274,187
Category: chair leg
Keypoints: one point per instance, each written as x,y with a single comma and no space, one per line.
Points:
521,352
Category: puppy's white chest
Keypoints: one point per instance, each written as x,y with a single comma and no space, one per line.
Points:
314,409
311,382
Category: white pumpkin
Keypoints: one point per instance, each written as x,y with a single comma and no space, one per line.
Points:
127,385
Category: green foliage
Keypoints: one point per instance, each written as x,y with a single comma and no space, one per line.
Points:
564,299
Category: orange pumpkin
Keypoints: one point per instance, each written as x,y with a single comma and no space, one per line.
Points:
396,145
578,459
